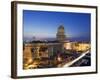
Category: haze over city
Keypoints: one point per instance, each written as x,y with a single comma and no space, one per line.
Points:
44,24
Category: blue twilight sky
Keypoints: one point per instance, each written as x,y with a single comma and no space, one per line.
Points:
44,24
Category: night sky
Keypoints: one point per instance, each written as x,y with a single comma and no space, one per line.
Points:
44,24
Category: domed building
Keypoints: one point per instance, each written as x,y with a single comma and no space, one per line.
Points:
61,34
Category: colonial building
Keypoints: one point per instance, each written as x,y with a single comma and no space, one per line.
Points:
43,49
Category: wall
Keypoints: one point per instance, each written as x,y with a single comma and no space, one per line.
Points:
5,43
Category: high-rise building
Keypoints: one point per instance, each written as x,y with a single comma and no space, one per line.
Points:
61,34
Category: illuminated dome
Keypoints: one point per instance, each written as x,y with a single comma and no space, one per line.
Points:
61,27
61,33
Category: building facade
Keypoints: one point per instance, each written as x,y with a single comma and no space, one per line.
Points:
61,34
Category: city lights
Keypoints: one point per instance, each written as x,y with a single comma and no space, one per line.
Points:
58,53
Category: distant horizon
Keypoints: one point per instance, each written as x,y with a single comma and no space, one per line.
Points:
83,39
44,24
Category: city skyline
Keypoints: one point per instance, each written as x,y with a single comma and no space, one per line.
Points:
52,40
44,24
